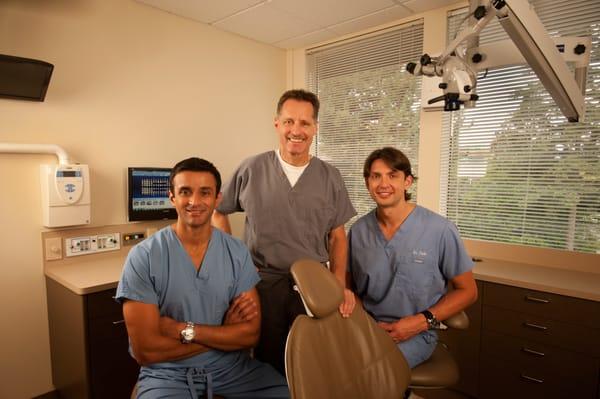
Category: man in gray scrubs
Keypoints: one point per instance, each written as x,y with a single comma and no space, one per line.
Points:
296,206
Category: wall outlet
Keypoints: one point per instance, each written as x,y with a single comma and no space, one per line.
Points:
53,248
76,246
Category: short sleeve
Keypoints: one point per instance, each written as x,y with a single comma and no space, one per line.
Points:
135,283
344,208
247,276
454,259
230,194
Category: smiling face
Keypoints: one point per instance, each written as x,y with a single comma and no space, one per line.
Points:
195,197
386,185
296,127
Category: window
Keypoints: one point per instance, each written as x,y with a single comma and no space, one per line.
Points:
513,169
368,101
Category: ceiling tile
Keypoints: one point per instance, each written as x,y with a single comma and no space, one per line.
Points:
267,24
384,16
330,12
421,6
201,10
307,39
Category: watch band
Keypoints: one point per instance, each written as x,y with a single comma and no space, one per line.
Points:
432,322
188,333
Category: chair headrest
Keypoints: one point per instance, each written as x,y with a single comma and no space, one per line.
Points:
321,292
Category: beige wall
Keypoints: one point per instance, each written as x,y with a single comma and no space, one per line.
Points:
434,42
132,86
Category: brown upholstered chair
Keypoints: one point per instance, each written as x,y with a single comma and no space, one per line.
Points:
440,370
330,357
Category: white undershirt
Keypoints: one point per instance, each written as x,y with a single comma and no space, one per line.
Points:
292,172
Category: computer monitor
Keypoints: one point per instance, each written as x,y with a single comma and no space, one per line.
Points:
24,78
148,194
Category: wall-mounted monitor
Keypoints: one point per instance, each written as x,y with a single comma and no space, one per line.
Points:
148,194
24,78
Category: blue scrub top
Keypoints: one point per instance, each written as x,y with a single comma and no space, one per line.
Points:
159,271
408,273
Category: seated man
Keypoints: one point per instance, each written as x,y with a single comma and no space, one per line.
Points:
189,302
402,257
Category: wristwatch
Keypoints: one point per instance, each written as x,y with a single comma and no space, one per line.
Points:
432,322
188,333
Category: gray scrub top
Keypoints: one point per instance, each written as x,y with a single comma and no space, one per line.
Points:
159,271
285,223
409,273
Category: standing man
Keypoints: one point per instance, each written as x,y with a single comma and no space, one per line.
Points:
189,302
402,257
296,206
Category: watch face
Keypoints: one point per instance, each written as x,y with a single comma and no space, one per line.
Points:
188,333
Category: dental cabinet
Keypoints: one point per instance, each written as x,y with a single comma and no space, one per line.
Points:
89,345
533,334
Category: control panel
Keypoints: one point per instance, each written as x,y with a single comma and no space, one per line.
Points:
85,245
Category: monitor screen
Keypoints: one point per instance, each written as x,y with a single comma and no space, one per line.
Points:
24,78
148,197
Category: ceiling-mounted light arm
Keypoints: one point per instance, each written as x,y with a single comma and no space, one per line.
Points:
537,48
529,35
469,32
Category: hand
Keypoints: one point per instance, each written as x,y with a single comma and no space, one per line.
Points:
347,307
405,328
242,308
170,327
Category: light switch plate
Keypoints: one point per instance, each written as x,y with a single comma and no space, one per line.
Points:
53,248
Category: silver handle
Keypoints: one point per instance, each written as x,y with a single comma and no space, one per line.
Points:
118,322
534,299
531,379
535,326
532,352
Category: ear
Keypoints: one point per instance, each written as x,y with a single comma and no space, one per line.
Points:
408,182
171,197
219,198
276,122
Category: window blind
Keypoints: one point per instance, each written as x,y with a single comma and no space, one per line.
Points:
368,101
513,169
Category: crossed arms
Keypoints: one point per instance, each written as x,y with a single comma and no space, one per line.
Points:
157,339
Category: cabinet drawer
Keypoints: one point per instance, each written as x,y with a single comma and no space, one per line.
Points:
107,328
501,379
541,330
102,303
551,306
543,360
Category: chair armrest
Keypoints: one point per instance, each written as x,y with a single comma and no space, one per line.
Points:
459,321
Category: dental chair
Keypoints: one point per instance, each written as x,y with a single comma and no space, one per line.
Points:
328,356
440,370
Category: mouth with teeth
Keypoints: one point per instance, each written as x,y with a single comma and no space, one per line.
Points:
296,139
195,211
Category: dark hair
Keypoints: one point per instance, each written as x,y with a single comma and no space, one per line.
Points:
300,95
393,158
196,165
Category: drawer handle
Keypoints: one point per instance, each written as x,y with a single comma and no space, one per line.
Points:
535,326
534,299
532,352
118,322
531,379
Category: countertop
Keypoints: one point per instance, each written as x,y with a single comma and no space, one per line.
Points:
558,281
91,275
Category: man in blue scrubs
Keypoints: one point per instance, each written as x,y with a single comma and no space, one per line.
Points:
402,257
190,305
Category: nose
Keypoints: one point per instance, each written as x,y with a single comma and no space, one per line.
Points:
194,199
384,181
